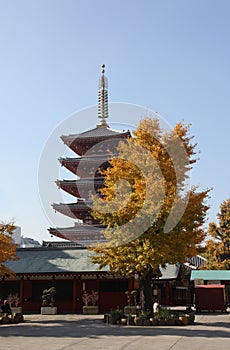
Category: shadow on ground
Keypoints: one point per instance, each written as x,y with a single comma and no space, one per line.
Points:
95,328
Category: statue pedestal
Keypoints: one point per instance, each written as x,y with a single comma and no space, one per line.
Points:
90,310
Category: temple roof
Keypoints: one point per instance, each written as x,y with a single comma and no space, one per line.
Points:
86,165
78,227
81,188
211,275
170,271
74,210
61,244
81,233
80,205
52,260
96,133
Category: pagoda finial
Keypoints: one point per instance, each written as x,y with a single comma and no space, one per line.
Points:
103,110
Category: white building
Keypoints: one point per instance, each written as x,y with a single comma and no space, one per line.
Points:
23,242
27,242
16,236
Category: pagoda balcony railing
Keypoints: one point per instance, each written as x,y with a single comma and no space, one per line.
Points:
79,182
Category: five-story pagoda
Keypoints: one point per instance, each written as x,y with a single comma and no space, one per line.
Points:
93,148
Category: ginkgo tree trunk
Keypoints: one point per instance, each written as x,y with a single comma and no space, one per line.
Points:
152,214
7,248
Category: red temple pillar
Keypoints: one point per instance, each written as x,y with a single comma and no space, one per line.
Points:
130,284
167,293
21,291
74,293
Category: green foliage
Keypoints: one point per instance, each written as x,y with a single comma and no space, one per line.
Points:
48,296
116,315
163,314
145,313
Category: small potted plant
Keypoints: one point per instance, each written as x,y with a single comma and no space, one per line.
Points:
90,300
130,308
143,319
163,316
48,302
116,316
14,300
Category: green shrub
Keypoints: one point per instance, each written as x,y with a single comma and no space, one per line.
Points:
145,313
163,314
48,297
116,315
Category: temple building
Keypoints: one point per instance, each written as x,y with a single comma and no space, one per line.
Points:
66,265
93,150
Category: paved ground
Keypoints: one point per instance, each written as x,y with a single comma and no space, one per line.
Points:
68,332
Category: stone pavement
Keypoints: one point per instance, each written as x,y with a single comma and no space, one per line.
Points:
67,332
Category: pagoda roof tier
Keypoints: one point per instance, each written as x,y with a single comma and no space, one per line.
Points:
95,133
81,188
81,143
80,210
85,166
80,233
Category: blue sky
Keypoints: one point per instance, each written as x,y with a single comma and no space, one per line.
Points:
168,56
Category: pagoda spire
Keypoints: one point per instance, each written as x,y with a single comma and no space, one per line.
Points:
103,110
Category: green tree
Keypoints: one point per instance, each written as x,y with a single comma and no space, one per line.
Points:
151,219
217,249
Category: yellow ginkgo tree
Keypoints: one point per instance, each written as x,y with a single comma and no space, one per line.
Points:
7,248
217,248
153,216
